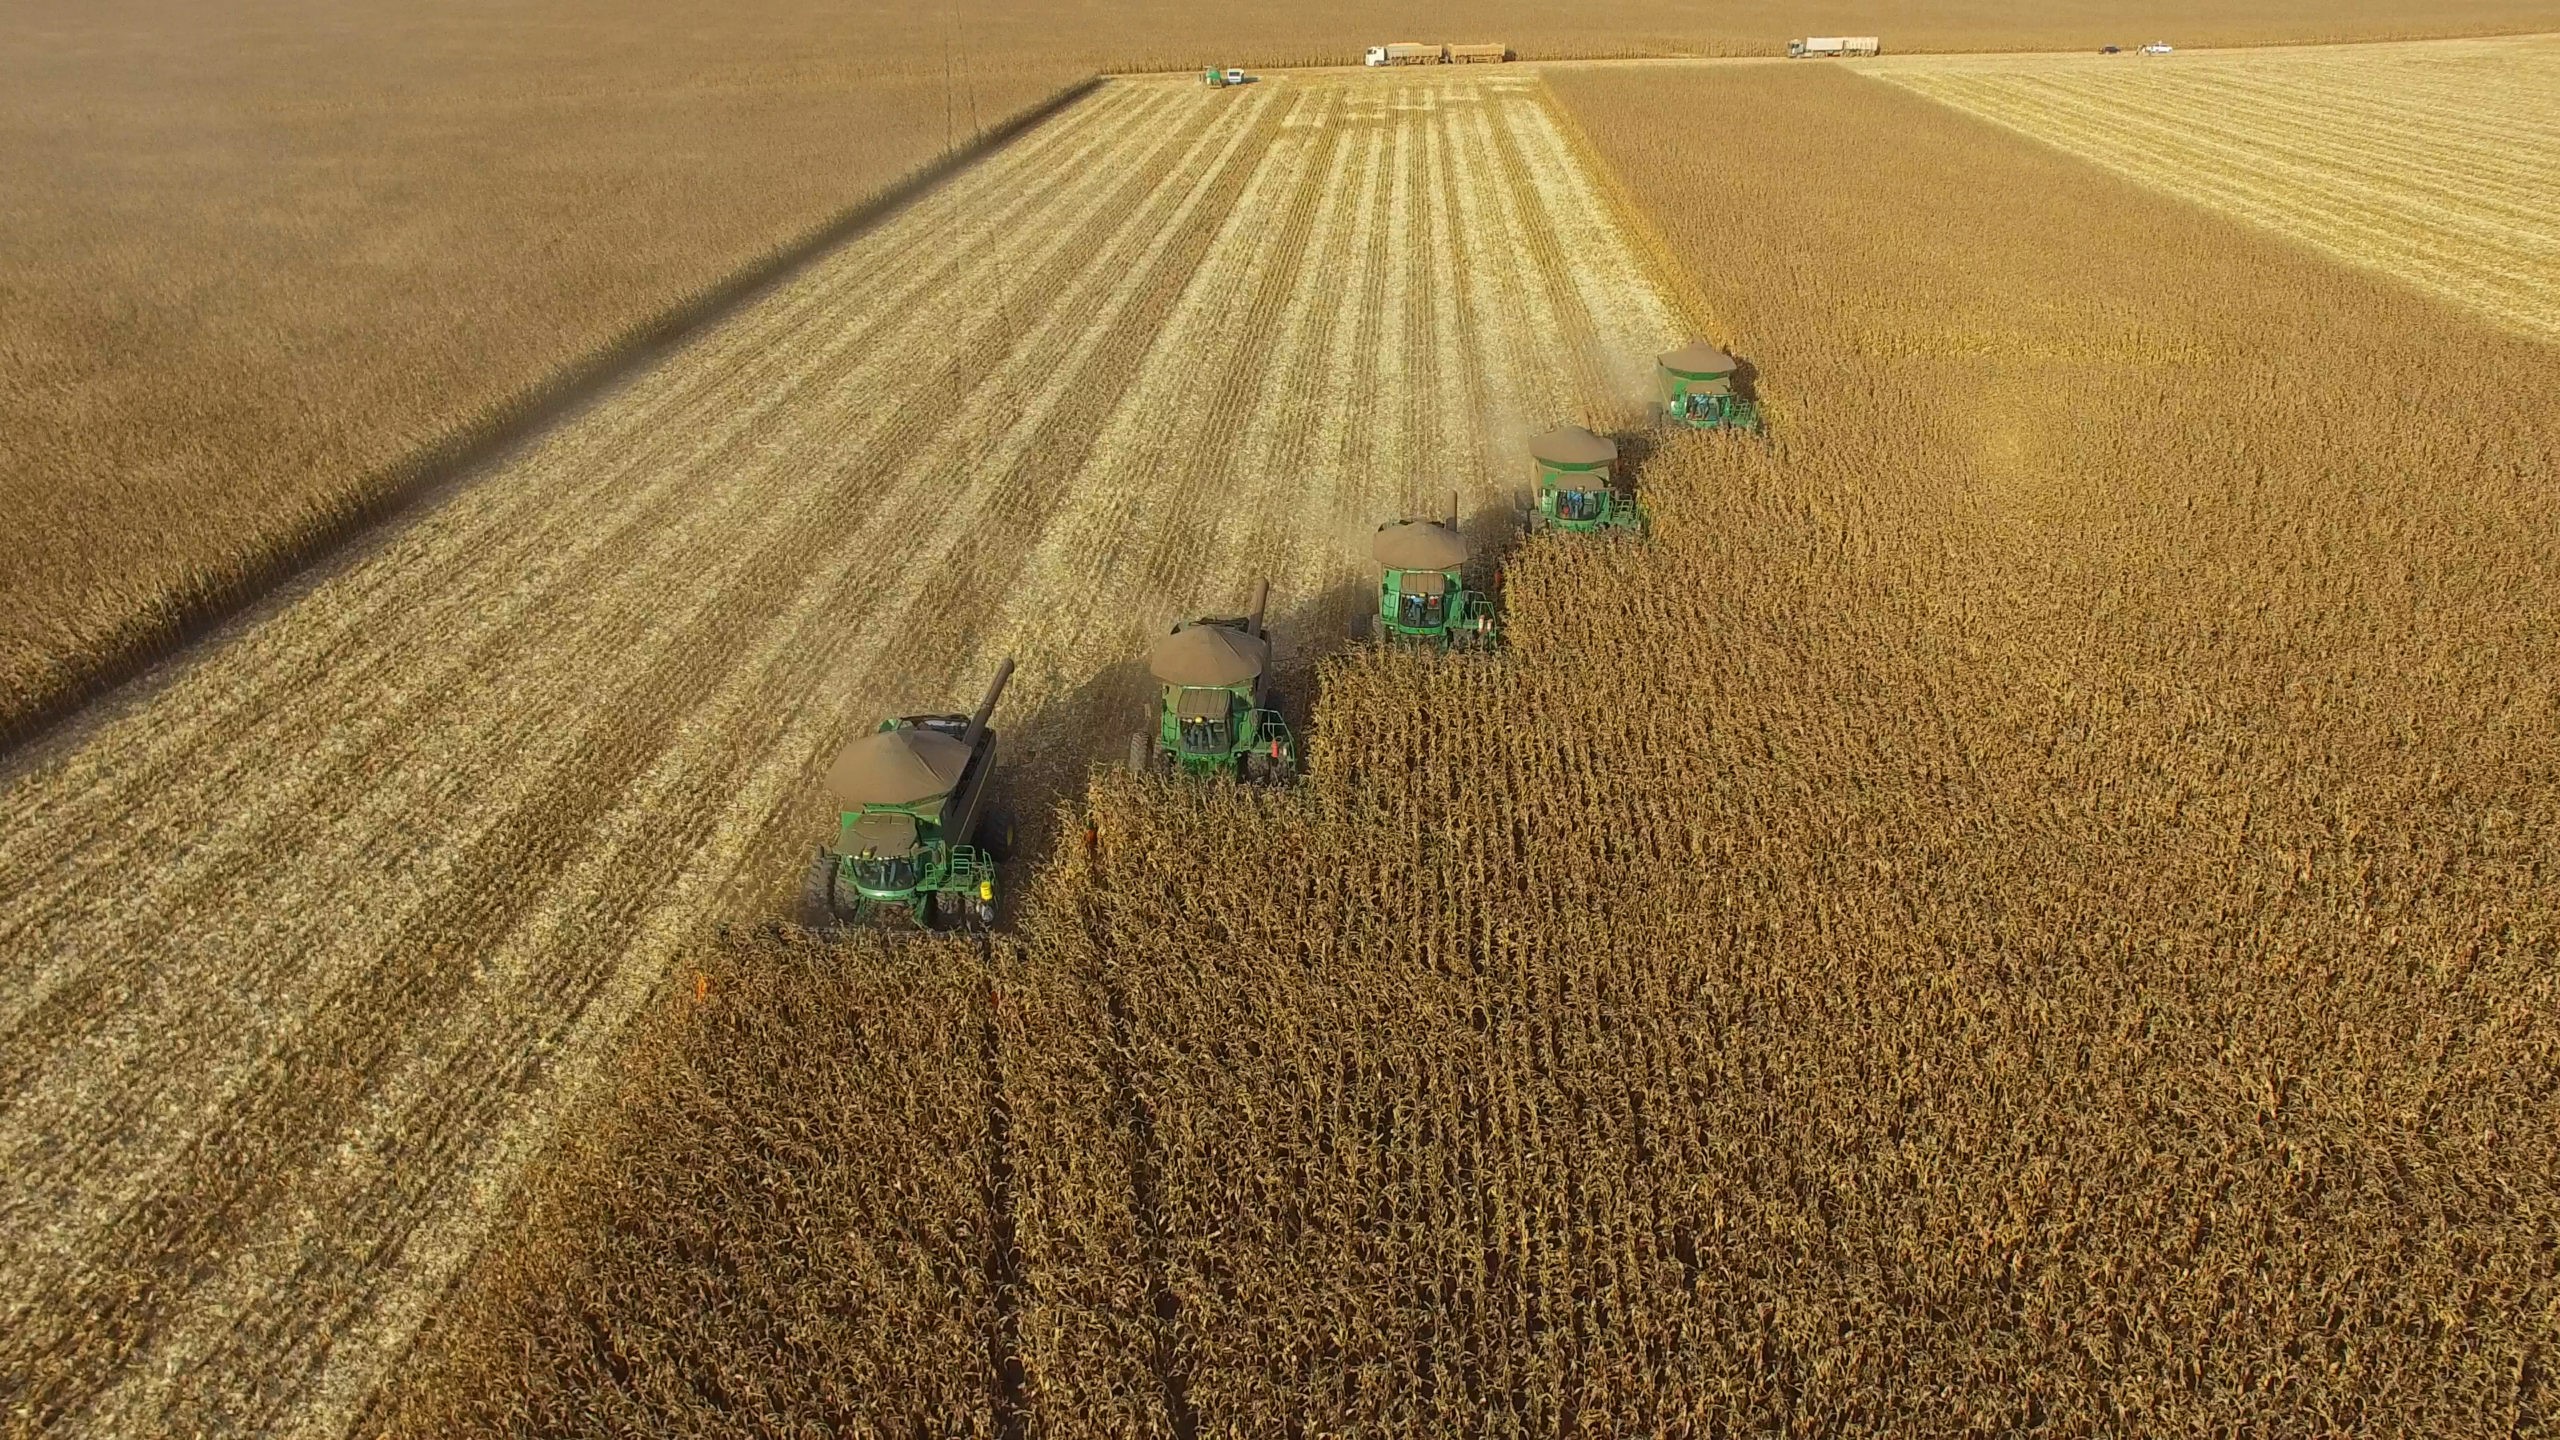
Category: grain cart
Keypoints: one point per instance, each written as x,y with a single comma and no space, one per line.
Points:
1422,594
1574,491
1696,389
913,831
1216,716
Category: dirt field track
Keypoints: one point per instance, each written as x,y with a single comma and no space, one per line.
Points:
302,946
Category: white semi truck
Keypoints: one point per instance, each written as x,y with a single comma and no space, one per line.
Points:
1403,54
1833,46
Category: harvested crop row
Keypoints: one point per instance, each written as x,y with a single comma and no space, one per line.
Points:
306,947
2429,162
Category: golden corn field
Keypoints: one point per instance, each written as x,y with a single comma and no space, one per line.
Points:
2429,162
308,946
2030,903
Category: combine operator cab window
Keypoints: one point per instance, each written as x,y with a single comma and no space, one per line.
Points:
891,872
1580,505
1704,407
1208,721
1422,612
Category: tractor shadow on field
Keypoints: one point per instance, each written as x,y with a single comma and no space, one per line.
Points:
1052,751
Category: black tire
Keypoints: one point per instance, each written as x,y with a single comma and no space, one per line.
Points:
996,835
942,910
1139,752
1362,626
818,892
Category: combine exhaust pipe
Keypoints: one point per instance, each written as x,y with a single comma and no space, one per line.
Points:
1261,597
1453,509
987,707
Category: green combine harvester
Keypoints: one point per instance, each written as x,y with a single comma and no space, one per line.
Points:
1696,385
1422,592
1216,715
1575,491
913,833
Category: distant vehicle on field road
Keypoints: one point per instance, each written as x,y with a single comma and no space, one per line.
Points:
2159,47
1408,53
1833,46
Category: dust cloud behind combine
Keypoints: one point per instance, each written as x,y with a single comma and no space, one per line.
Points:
305,946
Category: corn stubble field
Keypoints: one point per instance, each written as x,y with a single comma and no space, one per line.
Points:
308,947
2029,904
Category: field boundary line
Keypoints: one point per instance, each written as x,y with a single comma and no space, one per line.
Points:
143,644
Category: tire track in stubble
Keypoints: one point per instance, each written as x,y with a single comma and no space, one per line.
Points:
317,1077
1172,517
1288,390
152,1056
1630,322
1529,213
1204,504
1450,266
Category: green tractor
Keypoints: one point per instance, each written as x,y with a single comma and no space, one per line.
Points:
1575,492
913,833
1216,715
1422,592
1696,389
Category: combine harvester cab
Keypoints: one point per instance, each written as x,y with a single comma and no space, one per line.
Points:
913,832
1696,389
1574,491
1422,593
1216,715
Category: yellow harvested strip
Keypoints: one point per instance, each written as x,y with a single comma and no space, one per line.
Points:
304,947
2430,161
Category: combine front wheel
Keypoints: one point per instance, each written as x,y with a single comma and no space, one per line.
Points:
818,891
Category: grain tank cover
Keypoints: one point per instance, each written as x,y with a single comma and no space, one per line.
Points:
1573,447
1418,545
896,767
885,832
1697,360
1208,655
